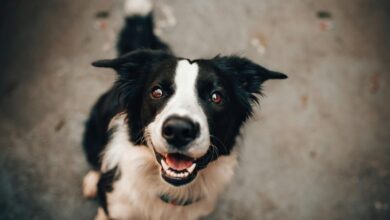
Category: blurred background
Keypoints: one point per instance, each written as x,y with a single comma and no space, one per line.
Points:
318,147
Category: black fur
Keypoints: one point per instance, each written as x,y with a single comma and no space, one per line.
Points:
105,185
139,72
238,80
138,34
96,136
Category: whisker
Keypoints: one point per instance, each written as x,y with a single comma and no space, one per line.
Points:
142,137
214,150
219,141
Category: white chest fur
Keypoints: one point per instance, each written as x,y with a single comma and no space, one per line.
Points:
136,193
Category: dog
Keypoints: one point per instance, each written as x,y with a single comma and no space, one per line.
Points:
161,140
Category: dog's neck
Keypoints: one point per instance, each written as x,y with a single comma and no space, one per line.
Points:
165,197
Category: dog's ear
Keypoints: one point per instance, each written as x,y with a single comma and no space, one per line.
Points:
130,67
248,76
133,62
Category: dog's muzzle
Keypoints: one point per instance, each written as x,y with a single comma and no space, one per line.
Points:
178,165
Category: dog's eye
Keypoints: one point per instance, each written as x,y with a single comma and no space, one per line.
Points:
156,92
216,98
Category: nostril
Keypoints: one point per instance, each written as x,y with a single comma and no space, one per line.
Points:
168,131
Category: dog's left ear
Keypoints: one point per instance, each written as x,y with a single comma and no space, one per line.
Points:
248,75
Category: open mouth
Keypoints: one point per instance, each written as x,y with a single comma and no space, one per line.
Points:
177,169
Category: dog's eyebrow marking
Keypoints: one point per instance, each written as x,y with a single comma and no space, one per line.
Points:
185,80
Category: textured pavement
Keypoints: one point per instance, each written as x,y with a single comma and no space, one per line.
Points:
318,148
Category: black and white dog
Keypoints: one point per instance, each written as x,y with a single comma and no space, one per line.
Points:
161,140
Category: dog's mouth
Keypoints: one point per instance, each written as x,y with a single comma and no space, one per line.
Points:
177,169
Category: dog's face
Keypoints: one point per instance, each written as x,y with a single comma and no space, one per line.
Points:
188,112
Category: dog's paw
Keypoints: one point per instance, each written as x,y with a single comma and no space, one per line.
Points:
101,215
90,184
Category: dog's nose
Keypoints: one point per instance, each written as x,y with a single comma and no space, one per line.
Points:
179,131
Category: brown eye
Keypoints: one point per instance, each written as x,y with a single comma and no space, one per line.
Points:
216,98
156,92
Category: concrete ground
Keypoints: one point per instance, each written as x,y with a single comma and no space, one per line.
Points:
319,148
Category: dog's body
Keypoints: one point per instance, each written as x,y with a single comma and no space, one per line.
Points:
162,139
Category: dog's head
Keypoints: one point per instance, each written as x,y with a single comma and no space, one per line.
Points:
188,112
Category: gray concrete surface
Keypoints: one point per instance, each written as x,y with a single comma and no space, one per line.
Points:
317,149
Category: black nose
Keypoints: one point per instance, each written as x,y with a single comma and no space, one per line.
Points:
179,131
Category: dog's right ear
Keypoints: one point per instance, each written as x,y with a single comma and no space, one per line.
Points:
133,62
107,63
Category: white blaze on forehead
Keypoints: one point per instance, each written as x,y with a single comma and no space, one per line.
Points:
184,101
185,82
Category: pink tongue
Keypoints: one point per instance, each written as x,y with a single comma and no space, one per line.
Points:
178,163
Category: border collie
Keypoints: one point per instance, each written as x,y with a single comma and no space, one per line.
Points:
161,140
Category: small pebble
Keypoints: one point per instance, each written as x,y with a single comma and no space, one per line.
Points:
324,14
102,14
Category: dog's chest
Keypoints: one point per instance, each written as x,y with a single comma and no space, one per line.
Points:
140,193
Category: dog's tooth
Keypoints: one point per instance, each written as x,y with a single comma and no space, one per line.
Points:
164,165
185,174
191,168
171,173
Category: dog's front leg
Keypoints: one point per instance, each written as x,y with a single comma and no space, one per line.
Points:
90,182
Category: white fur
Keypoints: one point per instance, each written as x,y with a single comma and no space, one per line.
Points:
183,103
138,7
136,194
90,184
